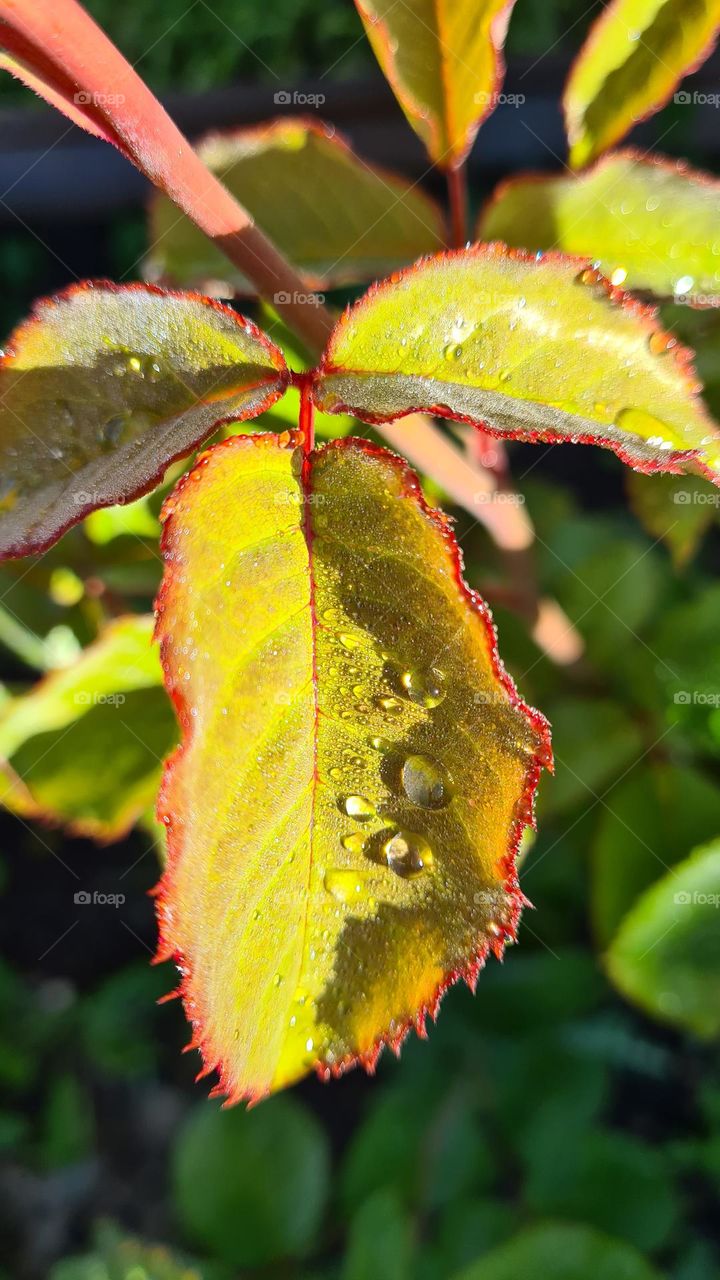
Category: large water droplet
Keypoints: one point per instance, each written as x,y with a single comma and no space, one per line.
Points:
660,343
424,688
344,885
407,853
453,351
425,782
354,843
359,808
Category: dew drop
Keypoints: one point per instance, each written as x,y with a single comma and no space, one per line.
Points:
407,854
392,705
380,744
425,782
354,843
424,688
344,885
660,343
348,641
359,808
453,351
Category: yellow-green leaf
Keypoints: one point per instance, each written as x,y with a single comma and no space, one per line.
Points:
678,510
104,386
646,223
443,59
356,767
337,217
634,56
533,349
84,747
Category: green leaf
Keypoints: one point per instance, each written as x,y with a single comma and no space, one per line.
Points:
535,350
558,1252
331,213
68,1123
634,56
647,223
251,1186
380,1242
121,1257
686,682
85,746
678,510
666,954
594,741
104,386
653,819
443,60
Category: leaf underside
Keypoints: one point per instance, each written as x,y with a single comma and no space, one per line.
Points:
526,347
104,386
356,768
649,223
339,219
444,63
636,53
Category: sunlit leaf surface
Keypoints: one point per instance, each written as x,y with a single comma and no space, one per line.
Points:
666,954
334,215
537,350
356,767
646,223
443,59
636,53
103,387
84,748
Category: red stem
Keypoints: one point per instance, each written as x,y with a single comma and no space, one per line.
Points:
307,415
457,194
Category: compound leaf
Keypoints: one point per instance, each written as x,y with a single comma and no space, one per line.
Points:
634,56
443,60
666,953
104,386
84,747
356,767
647,223
537,350
339,218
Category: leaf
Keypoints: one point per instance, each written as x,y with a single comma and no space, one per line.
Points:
647,222
121,1257
251,1186
104,386
381,1241
535,350
443,60
561,1252
666,954
654,817
634,56
338,218
84,747
356,761
594,742
677,510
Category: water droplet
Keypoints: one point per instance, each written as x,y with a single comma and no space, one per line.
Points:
589,276
643,424
407,854
380,744
344,885
684,283
453,351
619,276
392,705
348,641
660,343
354,843
359,808
336,773
425,782
277,980
424,688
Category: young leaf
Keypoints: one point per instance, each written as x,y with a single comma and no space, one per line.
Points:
665,956
84,747
104,386
356,767
646,223
535,350
443,59
634,56
339,219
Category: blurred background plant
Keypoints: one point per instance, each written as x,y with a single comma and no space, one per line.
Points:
565,1121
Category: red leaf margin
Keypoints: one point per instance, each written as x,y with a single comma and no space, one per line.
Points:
646,315
36,318
525,808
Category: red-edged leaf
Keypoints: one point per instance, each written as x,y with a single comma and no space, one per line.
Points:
356,767
530,347
104,386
